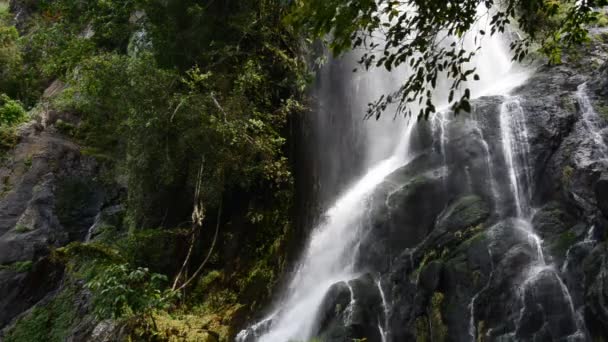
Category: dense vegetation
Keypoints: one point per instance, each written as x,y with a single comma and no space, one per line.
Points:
187,104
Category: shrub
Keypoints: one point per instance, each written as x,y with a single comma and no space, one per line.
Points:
11,111
120,291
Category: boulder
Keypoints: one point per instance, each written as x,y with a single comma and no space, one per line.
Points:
351,311
466,212
548,312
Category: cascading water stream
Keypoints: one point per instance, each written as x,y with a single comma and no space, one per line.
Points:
328,258
516,150
383,326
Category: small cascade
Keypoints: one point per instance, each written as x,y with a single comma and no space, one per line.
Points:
93,228
533,239
351,305
516,150
590,237
383,328
592,122
533,276
439,123
588,240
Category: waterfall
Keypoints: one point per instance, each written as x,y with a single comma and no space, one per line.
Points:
328,257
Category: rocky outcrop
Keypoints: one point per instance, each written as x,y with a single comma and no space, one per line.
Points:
51,196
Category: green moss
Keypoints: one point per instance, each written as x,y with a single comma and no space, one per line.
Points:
563,243
481,331
602,110
439,331
602,19
65,128
18,266
96,153
50,323
431,327
568,104
567,175
21,229
422,329
427,258
27,162
468,211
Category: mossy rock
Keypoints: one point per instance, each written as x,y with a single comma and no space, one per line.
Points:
552,220
51,322
466,212
564,241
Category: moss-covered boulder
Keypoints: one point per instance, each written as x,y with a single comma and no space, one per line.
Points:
466,212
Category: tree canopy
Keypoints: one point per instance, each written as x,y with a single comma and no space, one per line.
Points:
412,33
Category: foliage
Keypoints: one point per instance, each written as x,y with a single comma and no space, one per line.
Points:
187,327
428,36
10,56
11,112
121,291
11,115
209,90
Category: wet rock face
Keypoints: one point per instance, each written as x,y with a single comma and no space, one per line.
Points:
547,313
49,199
445,227
351,311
